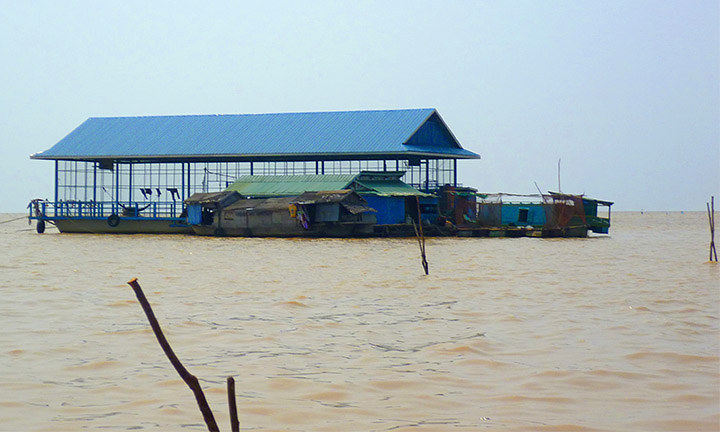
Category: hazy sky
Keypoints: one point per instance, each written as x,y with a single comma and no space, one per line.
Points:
626,93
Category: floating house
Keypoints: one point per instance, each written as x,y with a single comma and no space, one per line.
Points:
348,173
384,191
553,214
134,174
341,213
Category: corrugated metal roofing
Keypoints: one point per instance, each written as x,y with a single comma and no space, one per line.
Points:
349,199
390,188
261,136
213,199
289,184
267,186
262,205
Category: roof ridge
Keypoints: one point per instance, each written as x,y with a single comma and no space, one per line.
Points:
263,114
284,177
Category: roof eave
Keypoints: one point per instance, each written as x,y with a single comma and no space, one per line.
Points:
266,157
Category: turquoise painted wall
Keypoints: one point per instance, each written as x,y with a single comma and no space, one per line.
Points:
511,214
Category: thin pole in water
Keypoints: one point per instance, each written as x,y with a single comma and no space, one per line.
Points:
232,405
421,237
711,220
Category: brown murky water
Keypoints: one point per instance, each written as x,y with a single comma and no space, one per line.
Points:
598,334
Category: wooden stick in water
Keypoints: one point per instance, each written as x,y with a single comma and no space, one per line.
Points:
186,376
232,405
711,220
421,237
711,230
712,200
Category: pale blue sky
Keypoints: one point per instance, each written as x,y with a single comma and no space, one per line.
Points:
626,93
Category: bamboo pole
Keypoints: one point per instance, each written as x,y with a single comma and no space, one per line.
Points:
186,376
421,237
711,220
712,200
232,405
711,231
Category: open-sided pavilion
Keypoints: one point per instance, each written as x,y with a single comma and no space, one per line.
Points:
144,167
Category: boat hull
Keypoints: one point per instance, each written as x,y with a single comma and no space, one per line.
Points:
124,226
341,231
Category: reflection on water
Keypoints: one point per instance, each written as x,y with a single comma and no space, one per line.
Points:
599,334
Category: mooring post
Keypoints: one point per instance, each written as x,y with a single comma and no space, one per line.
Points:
190,379
232,405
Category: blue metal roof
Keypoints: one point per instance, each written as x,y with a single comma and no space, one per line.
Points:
285,136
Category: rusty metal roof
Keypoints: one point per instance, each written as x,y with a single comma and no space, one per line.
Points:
213,199
348,198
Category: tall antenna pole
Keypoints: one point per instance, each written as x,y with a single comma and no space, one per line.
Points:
559,188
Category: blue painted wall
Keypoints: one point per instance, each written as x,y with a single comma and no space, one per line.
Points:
433,134
194,214
390,210
511,214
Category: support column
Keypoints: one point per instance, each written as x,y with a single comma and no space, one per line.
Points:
188,180
454,172
130,184
95,204
427,175
115,206
55,207
182,179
